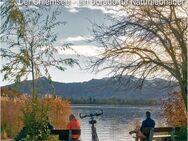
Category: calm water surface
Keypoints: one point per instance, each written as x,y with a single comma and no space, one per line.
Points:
116,121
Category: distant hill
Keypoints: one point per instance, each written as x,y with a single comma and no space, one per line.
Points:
97,88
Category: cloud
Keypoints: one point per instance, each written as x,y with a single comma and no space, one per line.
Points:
103,9
84,50
73,10
76,39
106,8
1,3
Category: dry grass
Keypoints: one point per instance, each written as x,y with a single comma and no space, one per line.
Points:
11,113
59,110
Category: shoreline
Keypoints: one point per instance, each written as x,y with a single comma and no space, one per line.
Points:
113,105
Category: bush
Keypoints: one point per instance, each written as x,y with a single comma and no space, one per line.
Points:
35,117
173,109
182,133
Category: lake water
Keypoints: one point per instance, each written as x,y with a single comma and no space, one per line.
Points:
116,121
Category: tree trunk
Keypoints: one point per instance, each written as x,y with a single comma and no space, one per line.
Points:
184,93
33,75
33,83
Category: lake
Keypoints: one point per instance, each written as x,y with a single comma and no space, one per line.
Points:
116,121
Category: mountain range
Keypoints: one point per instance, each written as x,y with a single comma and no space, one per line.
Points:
99,88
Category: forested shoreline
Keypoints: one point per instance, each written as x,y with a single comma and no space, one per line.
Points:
114,101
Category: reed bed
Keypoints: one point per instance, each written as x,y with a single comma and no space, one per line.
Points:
12,113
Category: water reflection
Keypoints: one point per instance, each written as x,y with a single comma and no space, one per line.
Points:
116,121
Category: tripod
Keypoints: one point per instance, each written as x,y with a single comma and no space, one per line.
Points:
92,122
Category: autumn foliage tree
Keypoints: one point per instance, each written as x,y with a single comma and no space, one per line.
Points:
174,111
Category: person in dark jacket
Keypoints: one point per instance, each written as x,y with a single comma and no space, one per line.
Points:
147,123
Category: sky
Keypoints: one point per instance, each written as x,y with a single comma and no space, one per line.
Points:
78,30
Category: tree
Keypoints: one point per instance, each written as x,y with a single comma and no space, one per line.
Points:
13,18
148,41
30,43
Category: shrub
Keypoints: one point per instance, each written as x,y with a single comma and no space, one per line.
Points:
182,133
35,117
174,111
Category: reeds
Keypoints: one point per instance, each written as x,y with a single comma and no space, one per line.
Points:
12,113
59,110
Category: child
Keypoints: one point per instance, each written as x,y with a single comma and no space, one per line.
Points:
139,134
